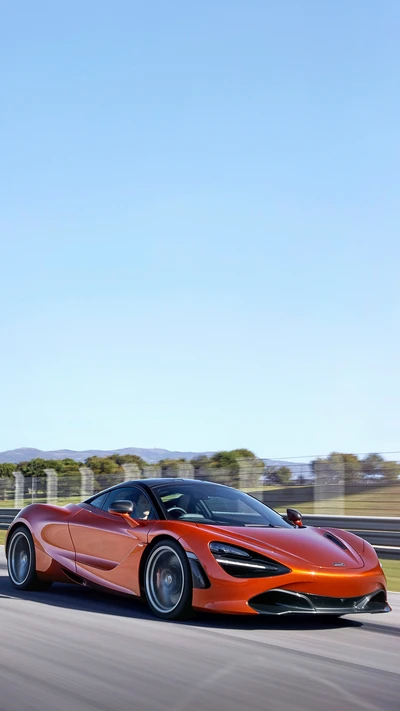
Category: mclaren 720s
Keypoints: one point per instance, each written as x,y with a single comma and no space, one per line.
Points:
186,545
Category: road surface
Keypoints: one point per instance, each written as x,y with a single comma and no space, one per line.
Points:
71,649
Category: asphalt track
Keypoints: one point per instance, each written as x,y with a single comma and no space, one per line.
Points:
71,649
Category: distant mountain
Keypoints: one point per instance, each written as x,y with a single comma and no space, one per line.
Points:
152,456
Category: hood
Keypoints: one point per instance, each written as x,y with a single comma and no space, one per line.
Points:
313,546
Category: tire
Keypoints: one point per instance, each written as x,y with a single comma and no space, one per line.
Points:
168,581
21,561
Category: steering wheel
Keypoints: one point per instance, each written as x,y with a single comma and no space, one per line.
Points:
177,509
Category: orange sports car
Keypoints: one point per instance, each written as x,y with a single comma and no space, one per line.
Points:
187,545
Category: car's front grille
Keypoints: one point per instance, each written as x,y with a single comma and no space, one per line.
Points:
280,602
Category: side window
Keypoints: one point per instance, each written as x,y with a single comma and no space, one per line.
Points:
142,506
98,501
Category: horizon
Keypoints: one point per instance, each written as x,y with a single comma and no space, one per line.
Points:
301,459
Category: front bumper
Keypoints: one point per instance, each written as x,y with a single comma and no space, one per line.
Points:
283,602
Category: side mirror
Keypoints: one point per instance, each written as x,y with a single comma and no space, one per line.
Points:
122,508
294,517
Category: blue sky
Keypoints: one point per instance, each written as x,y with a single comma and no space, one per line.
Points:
200,225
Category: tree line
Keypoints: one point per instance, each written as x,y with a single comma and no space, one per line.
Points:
113,463
351,469
225,467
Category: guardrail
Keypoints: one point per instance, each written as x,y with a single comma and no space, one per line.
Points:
383,532
7,516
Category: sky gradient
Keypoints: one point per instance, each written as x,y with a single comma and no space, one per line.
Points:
199,225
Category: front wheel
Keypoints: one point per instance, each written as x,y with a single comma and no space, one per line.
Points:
168,581
21,561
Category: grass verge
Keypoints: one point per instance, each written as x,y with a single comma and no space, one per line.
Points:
392,572
374,501
377,502
42,500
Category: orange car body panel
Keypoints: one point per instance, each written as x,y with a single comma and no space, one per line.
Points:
107,549
299,549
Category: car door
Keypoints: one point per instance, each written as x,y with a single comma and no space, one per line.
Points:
108,547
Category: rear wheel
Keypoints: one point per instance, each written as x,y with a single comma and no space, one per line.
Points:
168,581
21,561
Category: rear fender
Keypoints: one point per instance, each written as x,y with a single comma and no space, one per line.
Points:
49,528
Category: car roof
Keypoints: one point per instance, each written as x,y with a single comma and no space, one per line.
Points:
156,481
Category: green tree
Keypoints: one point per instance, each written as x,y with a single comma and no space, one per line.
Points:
391,471
373,464
336,468
279,475
352,468
121,459
201,461
35,467
68,477
243,454
106,471
224,459
64,465
283,475
6,470
237,467
103,465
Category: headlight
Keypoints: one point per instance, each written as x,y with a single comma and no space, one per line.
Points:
241,563
217,548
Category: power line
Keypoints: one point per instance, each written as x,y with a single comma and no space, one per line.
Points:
317,456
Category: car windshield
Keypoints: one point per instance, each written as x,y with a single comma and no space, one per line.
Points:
213,504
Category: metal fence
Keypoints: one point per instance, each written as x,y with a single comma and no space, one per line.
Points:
328,487
336,484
